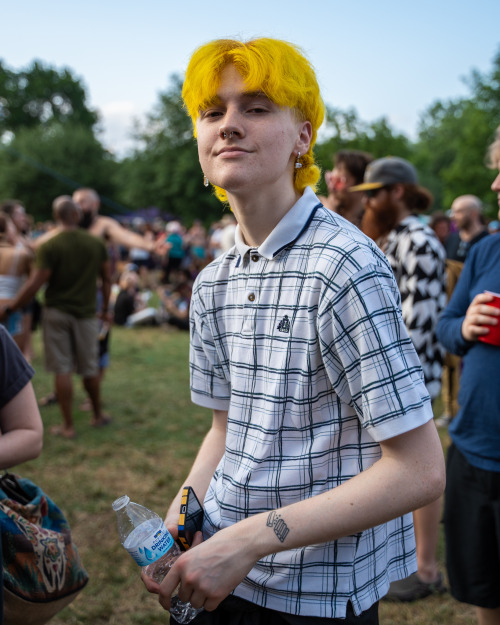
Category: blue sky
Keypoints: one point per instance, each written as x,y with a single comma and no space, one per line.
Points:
387,58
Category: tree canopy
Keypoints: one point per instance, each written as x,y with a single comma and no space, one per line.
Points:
40,94
49,143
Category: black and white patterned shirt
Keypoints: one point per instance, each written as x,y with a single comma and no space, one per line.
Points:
418,260
303,342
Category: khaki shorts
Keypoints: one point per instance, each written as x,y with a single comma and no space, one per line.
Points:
70,344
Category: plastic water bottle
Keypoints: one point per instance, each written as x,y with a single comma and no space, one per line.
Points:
144,535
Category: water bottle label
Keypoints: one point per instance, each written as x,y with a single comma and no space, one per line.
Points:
151,547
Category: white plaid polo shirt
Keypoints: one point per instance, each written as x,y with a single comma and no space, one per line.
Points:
303,342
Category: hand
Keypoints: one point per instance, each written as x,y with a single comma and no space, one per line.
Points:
160,247
170,522
209,571
479,316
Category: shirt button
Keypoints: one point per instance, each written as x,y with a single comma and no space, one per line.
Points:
251,297
255,257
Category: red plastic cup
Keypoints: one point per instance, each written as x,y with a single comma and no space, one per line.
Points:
493,336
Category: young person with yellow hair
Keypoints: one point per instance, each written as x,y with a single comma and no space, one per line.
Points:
322,439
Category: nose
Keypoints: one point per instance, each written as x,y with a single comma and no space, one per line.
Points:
232,124
495,185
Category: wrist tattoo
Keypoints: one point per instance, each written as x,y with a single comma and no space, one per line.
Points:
279,526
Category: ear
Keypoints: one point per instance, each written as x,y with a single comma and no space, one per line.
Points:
398,191
305,136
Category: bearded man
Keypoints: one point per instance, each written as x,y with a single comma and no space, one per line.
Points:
393,199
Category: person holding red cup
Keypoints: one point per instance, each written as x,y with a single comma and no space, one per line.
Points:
470,327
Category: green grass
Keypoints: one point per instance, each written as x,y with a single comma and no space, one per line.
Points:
145,453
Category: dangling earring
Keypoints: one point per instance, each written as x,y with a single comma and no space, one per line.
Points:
205,181
298,164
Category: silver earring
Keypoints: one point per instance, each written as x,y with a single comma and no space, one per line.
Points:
298,164
205,181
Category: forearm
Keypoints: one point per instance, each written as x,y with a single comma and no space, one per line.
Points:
388,489
409,475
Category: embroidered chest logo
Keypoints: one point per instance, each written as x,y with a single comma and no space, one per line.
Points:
284,325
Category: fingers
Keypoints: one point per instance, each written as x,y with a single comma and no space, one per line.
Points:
167,588
151,586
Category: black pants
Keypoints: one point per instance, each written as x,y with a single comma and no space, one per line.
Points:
236,611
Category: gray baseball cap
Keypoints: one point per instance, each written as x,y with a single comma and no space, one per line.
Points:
386,171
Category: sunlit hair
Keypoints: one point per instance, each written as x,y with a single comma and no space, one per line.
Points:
355,162
417,199
493,155
277,68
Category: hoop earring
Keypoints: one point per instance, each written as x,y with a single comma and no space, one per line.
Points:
206,183
298,164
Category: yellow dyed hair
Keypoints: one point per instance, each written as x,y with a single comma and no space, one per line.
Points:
278,69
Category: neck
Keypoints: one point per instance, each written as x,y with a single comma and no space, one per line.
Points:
468,233
258,215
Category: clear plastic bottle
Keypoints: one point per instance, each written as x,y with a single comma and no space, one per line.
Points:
144,535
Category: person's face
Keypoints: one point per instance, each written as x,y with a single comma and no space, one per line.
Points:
19,218
85,201
442,230
460,214
88,206
11,232
381,213
339,181
265,139
495,186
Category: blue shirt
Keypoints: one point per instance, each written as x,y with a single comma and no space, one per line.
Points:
476,429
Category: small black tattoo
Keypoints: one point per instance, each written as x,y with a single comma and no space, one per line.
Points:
279,526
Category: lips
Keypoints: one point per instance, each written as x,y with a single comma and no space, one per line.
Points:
231,151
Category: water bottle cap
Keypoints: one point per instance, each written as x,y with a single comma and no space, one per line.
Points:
121,502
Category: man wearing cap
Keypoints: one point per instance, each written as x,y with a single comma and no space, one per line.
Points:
393,199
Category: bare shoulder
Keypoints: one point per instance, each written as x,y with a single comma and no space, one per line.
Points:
105,227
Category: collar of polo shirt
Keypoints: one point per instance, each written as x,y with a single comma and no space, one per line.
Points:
288,229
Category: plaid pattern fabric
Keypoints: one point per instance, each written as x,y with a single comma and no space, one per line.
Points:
303,341
419,263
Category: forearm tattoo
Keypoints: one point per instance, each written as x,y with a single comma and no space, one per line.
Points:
279,526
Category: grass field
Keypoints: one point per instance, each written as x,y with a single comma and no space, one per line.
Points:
145,453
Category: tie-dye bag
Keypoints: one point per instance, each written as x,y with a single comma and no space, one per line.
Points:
42,571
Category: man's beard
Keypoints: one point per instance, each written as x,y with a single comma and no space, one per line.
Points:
86,220
376,224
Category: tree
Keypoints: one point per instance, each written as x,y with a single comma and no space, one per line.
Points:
165,172
453,138
348,132
40,94
43,162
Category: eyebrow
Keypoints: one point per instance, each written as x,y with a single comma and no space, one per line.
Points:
247,95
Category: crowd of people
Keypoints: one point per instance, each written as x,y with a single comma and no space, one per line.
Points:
323,333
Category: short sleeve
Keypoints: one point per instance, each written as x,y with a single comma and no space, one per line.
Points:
15,372
369,357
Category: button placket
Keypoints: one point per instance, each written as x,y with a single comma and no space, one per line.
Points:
251,294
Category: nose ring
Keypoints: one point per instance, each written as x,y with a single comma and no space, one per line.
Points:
224,135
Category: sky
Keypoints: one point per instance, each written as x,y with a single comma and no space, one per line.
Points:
388,58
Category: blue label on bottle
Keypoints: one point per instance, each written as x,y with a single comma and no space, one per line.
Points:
148,542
